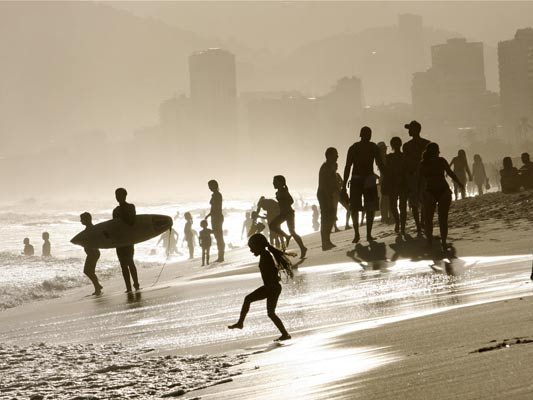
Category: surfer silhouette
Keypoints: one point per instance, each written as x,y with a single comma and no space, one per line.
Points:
47,248
92,257
28,248
271,289
126,213
217,218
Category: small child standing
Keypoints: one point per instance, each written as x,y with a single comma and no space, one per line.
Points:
188,234
47,248
205,241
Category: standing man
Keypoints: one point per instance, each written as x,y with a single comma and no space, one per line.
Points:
126,213
413,150
217,219
327,188
363,186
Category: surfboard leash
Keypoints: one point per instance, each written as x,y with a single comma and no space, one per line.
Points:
166,261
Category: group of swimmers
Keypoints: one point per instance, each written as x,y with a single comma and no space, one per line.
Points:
46,248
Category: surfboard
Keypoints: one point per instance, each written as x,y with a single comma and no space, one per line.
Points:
116,233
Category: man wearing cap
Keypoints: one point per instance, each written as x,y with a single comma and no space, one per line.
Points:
413,150
361,156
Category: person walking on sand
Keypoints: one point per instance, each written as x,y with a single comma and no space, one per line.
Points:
204,238
327,188
395,184
361,157
47,247
510,178
217,218
342,198
269,256
478,173
460,168
126,213
437,193
412,151
286,214
92,257
188,234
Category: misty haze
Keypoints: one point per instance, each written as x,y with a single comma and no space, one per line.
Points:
254,200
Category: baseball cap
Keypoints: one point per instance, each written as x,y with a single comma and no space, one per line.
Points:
413,124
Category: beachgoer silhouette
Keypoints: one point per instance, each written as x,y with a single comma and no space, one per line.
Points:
437,193
395,184
510,178
247,224
461,170
271,289
271,208
204,238
342,198
526,171
28,248
361,156
93,255
286,214
47,247
170,240
413,150
327,187
256,227
384,206
126,213
479,174
315,217
217,218
188,234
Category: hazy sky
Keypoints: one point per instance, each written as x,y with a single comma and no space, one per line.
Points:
285,25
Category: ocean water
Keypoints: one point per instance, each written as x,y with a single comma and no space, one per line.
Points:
24,279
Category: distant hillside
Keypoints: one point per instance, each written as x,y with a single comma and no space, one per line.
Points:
69,67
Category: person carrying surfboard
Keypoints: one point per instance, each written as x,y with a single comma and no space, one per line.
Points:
217,218
271,289
92,257
126,213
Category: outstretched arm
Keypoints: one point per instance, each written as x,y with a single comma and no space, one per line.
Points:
451,174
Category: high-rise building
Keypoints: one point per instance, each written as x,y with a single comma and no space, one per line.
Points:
515,59
452,91
213,85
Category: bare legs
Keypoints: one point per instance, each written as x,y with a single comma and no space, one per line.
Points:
401,217
442,203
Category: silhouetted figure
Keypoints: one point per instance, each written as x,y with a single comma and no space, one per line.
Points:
247,224
93,255
271,289
28,248
170,241
395,184
437,193
384,206
413,150
286,214
217,218
204,238
479,174
188,234
327,189
461,170
271,208
315,217
342,198
510,179
47,247
256,227
126,213
361,156
526,171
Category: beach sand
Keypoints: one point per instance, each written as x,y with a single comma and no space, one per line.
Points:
409,354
